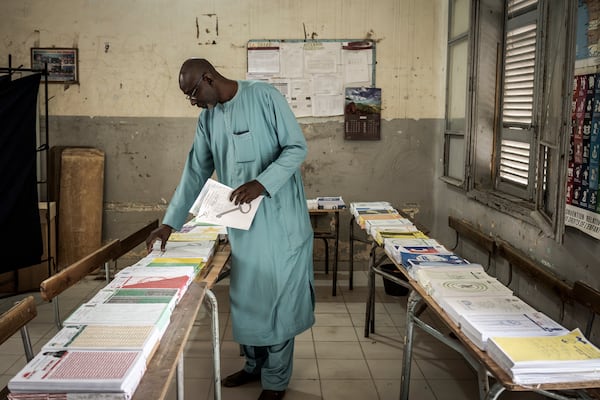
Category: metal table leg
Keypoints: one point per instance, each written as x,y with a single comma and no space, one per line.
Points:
413,300
179,378
211,303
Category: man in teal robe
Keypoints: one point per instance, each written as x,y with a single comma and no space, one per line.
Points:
248,134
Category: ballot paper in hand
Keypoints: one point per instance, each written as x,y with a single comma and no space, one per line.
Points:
214,207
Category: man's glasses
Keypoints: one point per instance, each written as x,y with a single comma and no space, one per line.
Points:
192,95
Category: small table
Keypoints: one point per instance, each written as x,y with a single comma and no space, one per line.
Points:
332,233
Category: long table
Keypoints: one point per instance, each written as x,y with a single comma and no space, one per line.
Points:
168,360
492,380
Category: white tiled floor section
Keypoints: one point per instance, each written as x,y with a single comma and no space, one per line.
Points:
333,360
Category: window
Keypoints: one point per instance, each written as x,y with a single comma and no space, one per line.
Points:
456,92
512,131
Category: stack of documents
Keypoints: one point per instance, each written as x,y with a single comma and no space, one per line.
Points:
458,306
330,203
143,338
85,371
479,328
438,281
441,261
355,207
198,249
568,357
376,210
403,250
196,232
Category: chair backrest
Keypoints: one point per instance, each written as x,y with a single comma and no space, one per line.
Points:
70,275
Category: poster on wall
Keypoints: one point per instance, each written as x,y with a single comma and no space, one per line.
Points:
312,74
582,209
61,62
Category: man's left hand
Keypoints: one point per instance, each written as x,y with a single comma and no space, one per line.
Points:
247,192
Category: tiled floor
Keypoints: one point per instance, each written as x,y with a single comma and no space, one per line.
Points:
333,360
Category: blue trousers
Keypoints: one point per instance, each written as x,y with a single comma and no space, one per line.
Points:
273,363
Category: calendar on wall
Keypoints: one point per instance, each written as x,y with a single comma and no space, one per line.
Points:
313,75
362,113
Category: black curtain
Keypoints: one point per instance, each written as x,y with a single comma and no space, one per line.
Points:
20,228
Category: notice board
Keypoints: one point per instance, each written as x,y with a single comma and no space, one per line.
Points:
313,75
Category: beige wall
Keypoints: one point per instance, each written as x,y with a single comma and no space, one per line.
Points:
147,40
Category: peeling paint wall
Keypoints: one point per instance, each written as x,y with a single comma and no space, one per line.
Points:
128,101
130,52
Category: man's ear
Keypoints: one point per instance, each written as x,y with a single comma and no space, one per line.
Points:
208,77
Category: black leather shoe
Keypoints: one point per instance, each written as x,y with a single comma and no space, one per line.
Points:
240,378
271,395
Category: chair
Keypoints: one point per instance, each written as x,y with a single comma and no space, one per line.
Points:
13,320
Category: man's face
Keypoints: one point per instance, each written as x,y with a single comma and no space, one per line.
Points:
200,92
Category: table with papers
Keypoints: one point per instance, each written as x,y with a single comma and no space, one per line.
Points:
482,363
128,340
436,279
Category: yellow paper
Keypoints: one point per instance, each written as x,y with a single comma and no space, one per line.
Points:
570,347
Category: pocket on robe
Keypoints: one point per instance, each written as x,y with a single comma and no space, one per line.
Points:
243,143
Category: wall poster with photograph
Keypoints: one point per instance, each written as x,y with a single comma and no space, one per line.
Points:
362,113
62,63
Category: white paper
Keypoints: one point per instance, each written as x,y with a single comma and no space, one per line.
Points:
214,207
261,61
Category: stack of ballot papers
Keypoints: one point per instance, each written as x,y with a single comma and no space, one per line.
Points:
479,328
198,232
380,232
466,305
379,214
442,261
357,206
441,283
403,250
369,211
72,371
157,314
330,203
143,338
398,224
176,278
194,250
531,360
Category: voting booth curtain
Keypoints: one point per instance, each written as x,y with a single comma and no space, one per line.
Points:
20,230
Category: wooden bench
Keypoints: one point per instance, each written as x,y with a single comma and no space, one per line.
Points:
51,287
14,320
470,232
110,252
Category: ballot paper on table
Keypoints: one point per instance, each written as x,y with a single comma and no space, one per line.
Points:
214,207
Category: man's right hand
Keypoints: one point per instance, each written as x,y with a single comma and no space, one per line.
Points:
161,233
